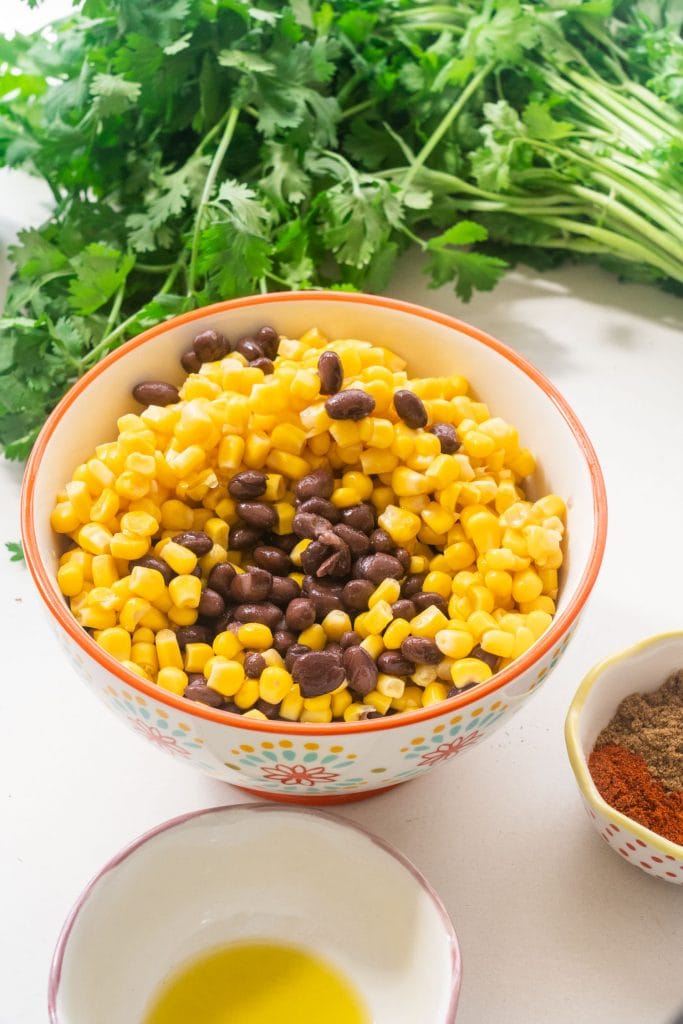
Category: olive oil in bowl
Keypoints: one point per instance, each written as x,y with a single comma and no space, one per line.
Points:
257,983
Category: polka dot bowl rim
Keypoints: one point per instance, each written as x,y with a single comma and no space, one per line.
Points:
577,756
559,627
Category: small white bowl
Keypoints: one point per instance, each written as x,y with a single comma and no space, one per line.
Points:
257,872
638,669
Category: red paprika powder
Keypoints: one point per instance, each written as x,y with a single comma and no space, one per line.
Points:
624,781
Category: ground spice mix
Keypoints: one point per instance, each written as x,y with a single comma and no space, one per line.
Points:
637,762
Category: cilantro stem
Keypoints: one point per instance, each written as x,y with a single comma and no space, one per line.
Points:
222,149
115,308
441,129
356,109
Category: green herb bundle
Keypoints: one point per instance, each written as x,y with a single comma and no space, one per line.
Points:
202,149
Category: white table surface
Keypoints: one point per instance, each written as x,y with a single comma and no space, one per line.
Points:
554,928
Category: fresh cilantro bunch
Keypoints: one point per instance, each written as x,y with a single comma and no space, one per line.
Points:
203,149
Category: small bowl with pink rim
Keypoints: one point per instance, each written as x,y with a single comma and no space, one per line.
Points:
300,761
252,873
641,668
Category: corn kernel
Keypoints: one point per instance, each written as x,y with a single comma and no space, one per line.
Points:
434,693
498,642
375,620
176,515
196,656
335,624
144,654
454,643
182,616
180,559
70,579
185,590
401,524
274,684
321,716
379,701
115,641
389,590
374,645
428,622
168,649
147,583
247,695
313,637
128,547
438,583
396,633
172,679
255,635
292,705
227,677
390,686
94,538
469,670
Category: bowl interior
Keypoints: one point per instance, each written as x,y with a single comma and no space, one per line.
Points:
258,872
430,346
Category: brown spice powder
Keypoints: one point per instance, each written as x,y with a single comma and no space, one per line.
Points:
651,726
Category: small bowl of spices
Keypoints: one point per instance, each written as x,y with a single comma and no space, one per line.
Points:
624,735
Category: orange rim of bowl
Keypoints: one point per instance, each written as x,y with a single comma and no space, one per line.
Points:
557,628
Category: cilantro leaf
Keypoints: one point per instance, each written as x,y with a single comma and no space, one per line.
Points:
99,271
16,550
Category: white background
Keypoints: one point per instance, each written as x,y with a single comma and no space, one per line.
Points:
554,927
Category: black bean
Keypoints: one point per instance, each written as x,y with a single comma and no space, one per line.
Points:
338,560
254,664
155,392
367,713
253,585
357,541
211,345
190,361
325,595
196,540
404,609
269,340
306,524
271,558
320,507
223,622
381,542
360,517
244,537
257,514
286,541
412,584
350,405
361,670
454,691
264,612
247,485
267,709
150,562
427,598
489,659
378,567
194,634
313,557
220,578
264,364
295,651
318,484
211,604
202,693
448,437
197,571
404,557
316,673
283,640
394,664
300,614
331,373
350,639
249,348
421,650
410,408
356,595
284,590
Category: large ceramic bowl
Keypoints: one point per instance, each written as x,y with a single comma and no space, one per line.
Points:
638,669
339,761
257,873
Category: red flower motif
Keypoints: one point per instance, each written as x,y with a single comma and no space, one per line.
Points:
162,740
298,774
446,751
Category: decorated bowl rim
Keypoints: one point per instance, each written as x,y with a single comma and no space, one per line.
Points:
578,760
260,808
557,629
